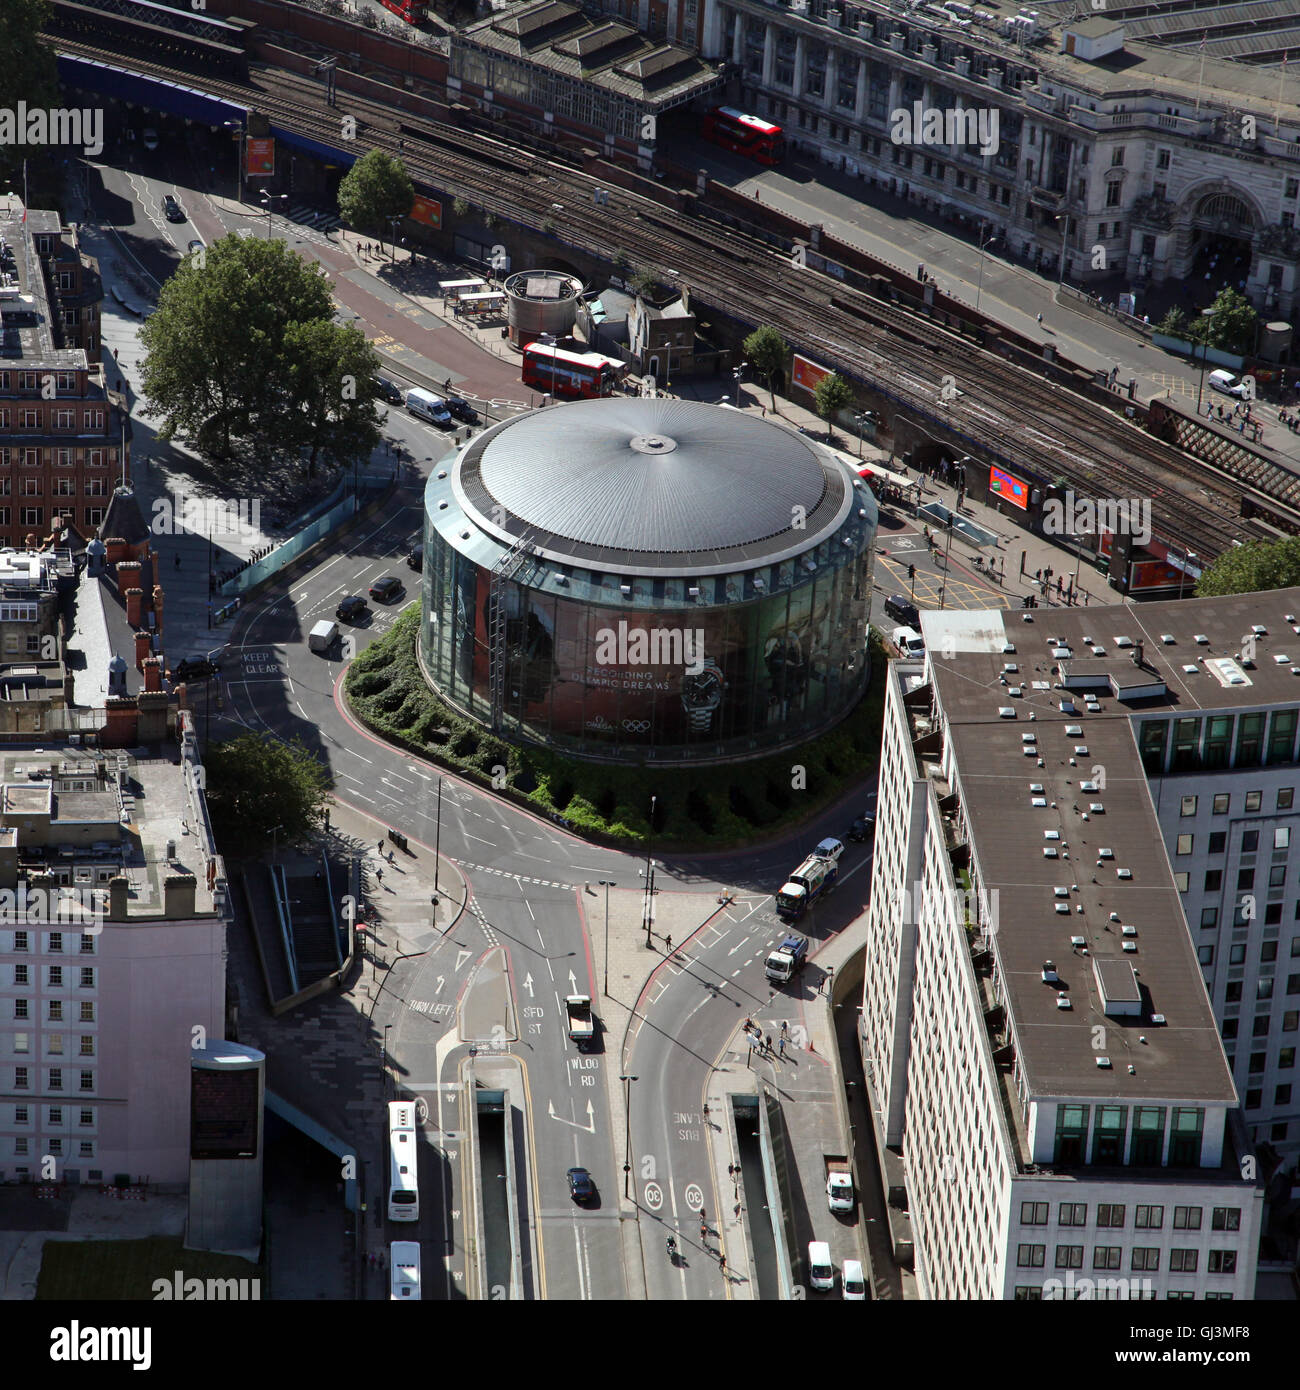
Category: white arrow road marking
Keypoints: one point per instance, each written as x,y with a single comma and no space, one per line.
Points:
528,983
588,1128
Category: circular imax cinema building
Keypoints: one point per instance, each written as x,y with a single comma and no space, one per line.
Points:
636,580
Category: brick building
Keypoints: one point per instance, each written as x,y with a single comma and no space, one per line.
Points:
63,432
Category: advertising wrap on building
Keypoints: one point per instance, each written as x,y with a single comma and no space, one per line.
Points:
427,211
807,373
1011,489
259,157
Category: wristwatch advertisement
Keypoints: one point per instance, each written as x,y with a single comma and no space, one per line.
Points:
702,694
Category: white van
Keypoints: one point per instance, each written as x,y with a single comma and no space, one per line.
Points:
322,637
852,1285
1226,383
427,406
821,1273
909,641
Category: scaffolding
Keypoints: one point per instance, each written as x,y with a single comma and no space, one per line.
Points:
499,587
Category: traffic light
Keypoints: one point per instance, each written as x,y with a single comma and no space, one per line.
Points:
911,571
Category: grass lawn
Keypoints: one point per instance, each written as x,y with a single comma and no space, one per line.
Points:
127,1269
696,808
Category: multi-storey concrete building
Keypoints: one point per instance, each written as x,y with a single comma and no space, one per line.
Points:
1085,923
112,942
1152,156
62,429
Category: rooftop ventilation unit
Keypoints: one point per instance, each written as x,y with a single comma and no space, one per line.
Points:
1123,642
1103,1063
1168,638
1063,1001
1129,946
1050,976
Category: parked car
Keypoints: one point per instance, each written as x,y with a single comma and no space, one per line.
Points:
1228,384
386,589
462,410
854,1286
148,138
581,1187
172,210
415,560
197,668
352,609
902,610
194,246
389,390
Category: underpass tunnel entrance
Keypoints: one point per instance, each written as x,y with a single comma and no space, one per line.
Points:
757,1189
500,1246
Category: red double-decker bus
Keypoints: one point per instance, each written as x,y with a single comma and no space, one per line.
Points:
748,135
577,375
412,11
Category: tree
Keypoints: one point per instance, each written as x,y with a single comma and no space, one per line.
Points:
1252,568
1232,323
256,783
459,206
27,74
1174,324
832,395
227,361
375,190
766,351
330,370
643,283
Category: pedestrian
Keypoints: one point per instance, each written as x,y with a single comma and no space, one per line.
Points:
669,943
704,1231
781,1045
381,846
785,1027
722,1263
1040,320
379,874
768,1043
749,1023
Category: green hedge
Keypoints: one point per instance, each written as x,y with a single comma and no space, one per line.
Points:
704,807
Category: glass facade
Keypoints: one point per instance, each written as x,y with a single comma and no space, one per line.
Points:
756,659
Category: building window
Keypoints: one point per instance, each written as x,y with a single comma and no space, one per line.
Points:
1222,801
1162,159
1286,1059
1218,841
87,977
87,1117
1249,841
1111,1214
1147,1149
22,1043
56,1011
1069,1257
1184,844
1030,1256
87,1045
1205,954
1253,799
1225,1219
1182,1261
1222,1262
1209,917
1213,880
1073,1214
1285,796
56,976
1145,1257
1260,1029
20,941
1188,804
1033,1213
87,1080
56,1078
1268,951
1148,1218
87,1011
21,1008
1106,1257
20,1078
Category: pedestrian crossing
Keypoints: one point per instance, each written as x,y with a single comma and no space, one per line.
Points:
521,878
313,217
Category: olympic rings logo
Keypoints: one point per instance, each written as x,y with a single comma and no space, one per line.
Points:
636,726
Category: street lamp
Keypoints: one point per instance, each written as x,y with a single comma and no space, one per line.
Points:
606,884
269,201
979,284
627,1134
739,373
649,880
549,340
947,551
275,829
1188,557
392,229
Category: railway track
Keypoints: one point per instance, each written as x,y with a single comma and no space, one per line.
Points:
1001,411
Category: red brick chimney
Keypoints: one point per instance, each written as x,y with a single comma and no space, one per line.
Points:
158,608
152,673
141,648
116,550
134,601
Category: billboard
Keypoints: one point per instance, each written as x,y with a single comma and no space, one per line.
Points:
223,1113
1011,489
259,157
807,373
427,211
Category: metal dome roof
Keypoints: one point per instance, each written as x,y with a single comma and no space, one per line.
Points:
650,478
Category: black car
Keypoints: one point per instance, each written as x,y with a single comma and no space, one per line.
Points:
903,611
389,390
863,829
415,560
462,410
386,589
352,609
581,1187
172,210
197,668
195,247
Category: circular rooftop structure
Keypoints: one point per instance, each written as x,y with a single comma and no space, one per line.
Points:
541,301
636,579
650,484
